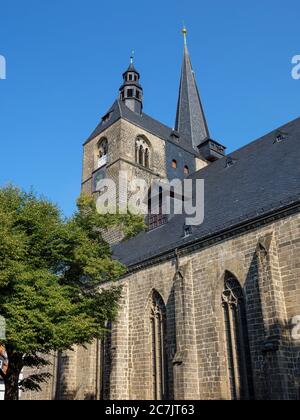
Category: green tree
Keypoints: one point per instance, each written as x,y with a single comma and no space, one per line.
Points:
50,272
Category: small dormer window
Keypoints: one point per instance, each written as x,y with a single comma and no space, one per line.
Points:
175,136
230,162
174,164
106,118
187,231
280,137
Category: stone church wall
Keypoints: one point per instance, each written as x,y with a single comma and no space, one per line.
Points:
191,289
265,260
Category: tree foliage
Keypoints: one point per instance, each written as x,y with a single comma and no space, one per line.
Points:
50,272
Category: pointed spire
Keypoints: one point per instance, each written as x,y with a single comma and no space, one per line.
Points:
190,120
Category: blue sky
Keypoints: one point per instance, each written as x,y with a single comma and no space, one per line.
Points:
65,59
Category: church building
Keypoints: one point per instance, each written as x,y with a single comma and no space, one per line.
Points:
207,311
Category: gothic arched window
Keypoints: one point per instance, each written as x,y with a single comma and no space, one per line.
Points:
102,152
238,349
159,361
141,156
142,152
147,158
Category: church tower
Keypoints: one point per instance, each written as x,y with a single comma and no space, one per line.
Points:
127,140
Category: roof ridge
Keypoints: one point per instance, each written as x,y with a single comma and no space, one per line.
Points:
264,136
119,106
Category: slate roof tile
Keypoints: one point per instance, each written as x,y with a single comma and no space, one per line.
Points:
265,176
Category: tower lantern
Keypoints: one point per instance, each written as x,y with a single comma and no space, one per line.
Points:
131,92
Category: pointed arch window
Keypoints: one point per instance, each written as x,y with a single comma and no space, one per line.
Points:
159,364
238,349
142,152
141,156
105,361
102,153
147,158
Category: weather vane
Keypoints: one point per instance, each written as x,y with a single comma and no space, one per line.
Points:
132,57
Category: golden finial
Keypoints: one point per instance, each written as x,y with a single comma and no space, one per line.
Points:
184,31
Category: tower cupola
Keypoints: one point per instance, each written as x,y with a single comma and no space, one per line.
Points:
131,92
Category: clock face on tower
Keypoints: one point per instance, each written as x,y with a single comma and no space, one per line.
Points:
98,176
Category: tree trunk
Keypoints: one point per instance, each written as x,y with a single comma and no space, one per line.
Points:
12,386
12,376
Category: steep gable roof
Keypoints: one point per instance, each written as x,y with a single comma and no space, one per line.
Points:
260,178
120,110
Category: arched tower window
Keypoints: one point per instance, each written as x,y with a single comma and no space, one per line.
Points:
142,152
159,362
141,156
238,349
102,152
147,158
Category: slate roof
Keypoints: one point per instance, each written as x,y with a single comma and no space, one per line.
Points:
190,120
120,110
256,180
131,68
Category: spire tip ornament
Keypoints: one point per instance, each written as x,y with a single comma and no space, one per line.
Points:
184,32
132,57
